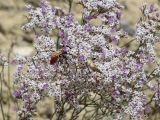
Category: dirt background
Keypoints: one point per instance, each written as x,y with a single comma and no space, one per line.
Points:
12,17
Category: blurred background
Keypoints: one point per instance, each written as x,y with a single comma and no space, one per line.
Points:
13,16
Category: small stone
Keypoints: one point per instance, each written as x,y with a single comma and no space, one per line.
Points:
27,38
23,50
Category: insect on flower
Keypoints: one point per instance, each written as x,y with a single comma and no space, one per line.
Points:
55,56
93,66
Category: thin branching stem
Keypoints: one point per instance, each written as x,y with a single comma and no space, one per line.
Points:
1,97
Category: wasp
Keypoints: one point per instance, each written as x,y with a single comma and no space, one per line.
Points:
55,56
93,66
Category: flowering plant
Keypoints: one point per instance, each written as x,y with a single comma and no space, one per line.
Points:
85,67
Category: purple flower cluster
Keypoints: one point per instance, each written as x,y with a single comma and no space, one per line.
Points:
88,64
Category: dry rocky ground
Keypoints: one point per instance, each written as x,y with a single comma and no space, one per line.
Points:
12,17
